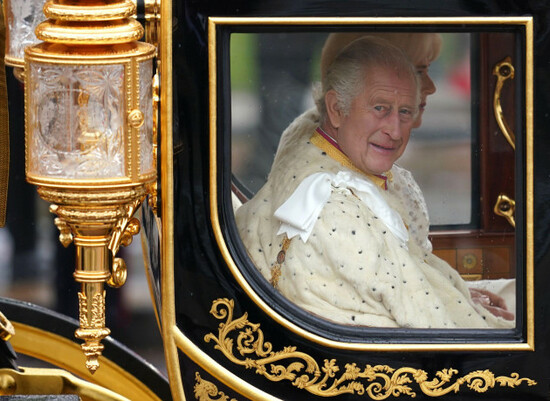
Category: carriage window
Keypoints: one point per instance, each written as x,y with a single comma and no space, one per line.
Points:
458,168
272,76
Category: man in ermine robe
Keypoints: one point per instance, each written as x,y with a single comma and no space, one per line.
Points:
339,228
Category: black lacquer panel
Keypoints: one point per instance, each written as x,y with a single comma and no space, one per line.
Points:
202,274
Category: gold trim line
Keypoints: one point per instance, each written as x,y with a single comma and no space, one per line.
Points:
168,309
370,20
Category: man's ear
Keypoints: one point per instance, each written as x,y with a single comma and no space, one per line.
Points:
333,111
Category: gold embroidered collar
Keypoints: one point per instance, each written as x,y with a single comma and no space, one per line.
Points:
322,143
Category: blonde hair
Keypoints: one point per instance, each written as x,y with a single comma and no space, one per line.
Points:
346,74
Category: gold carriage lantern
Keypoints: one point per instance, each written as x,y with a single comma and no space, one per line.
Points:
89,140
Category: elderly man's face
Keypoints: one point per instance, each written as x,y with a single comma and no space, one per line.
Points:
376,130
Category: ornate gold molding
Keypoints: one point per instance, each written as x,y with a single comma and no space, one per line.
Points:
205,390
379,381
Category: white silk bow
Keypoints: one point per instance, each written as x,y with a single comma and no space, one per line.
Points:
300,211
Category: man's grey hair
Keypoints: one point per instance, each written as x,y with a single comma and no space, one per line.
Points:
347,74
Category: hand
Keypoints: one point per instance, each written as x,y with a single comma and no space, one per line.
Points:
492,302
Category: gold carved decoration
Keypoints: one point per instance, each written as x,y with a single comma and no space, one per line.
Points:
379,381
205,390
92,327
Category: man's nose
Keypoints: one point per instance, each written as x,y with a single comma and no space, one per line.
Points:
392,125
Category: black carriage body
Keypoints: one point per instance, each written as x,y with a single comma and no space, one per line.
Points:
309,358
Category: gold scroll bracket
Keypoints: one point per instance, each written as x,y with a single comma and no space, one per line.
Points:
506,207
503,71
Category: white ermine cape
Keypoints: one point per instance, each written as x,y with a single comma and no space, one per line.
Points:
353,264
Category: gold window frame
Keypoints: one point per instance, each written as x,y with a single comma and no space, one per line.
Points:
527,22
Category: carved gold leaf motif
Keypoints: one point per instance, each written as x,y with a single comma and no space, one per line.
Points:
205,390
83,308
239,336
98,311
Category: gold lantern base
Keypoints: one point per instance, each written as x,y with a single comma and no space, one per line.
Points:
98,221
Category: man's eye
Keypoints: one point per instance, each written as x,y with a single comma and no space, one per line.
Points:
405,115
380,108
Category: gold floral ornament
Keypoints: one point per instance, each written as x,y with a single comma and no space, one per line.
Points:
205,390
379,382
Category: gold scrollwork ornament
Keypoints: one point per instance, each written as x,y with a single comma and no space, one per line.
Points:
205,390
126,227
379,382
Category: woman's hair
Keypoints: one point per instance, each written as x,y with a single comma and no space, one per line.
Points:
417,46
346,74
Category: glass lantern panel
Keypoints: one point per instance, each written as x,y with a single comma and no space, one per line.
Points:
76,116
146,107
22,17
